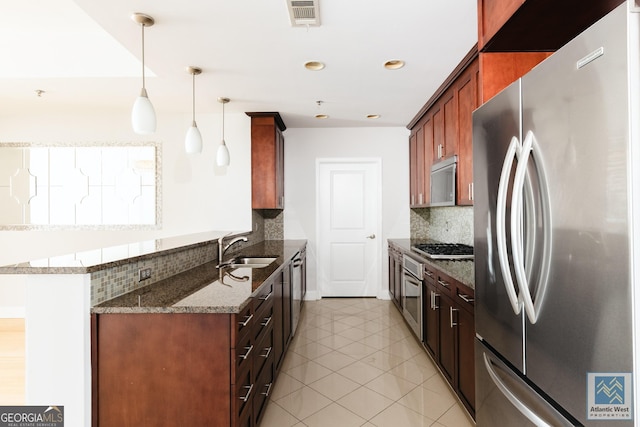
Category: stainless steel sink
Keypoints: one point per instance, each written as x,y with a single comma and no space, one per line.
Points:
248,262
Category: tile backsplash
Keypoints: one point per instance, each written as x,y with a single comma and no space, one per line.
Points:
446,224
113,282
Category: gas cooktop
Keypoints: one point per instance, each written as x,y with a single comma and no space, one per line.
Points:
444,250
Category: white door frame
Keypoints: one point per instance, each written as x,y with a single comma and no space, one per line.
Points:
377,162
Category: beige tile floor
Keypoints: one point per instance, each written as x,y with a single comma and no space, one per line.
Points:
354,362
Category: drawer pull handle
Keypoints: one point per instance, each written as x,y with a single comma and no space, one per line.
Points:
266,355
267,320
266,297
443,283
466,298
246,321
244,356
246,396
268,386
428,273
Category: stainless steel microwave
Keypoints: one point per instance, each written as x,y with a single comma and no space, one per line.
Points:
443,182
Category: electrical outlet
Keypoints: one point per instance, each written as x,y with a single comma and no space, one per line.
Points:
144,274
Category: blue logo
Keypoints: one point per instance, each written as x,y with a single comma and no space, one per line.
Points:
609,390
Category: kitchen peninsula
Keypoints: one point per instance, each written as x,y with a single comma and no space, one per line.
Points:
62,292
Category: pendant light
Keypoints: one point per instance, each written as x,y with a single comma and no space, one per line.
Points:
222,157
143,116
193,140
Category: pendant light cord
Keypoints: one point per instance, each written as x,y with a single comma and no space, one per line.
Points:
193,109
223,122
143,86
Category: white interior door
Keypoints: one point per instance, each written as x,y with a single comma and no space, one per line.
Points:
348,227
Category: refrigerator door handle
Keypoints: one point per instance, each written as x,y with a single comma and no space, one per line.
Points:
516,229
501,239
519,405
530,147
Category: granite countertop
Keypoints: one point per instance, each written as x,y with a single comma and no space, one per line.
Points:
201,289
99,259
461,270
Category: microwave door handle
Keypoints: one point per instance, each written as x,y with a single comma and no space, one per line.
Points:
519,405
501,239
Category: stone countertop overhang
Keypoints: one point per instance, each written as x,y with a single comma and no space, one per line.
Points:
201,289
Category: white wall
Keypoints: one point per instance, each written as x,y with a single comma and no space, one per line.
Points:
196,195
303,146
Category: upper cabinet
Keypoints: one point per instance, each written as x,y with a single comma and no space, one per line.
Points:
516,35
443,129
267,161
535,25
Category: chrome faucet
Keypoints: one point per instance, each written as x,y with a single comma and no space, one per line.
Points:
222,248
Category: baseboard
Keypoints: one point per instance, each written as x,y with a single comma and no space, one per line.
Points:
384,294
312,296
12,312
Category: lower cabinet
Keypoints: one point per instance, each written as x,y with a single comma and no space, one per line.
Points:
395,275
448,331
195,369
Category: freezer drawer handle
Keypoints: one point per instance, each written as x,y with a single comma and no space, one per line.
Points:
527,412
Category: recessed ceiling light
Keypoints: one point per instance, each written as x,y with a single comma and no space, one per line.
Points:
394,64
373,116
314,65
322,116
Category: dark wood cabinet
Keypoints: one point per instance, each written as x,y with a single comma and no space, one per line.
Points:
468,99
446,126
448,331
162,370
465,381
420,155
535,25
395,275
516,35
431,314
267,161
213,369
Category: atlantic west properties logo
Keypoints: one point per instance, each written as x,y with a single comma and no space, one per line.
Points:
31,416
609,396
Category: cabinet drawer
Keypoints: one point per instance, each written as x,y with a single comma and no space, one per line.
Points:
263,320
445,284
264,385
465,298
430,274
264,349
243,354
243,324
243,393
265,295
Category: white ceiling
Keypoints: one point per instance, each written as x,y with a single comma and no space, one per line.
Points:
85,54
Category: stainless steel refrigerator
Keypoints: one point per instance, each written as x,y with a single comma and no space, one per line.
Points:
557,236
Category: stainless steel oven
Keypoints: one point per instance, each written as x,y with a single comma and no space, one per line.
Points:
412,294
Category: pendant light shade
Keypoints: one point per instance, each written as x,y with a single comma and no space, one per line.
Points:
193,139
143,116
222,156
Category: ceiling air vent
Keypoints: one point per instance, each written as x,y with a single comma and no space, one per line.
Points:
304,12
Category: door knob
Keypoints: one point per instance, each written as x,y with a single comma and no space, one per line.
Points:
373,236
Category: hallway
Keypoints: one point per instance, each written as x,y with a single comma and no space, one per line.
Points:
354,362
